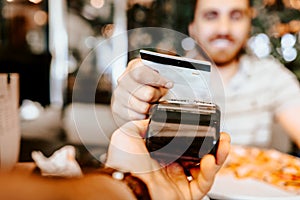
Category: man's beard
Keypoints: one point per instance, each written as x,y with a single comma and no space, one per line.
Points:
225,62
224,57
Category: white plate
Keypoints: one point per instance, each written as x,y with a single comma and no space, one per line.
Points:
229,187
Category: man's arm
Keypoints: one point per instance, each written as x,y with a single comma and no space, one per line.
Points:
289,119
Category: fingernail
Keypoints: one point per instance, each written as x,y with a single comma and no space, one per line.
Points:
169,85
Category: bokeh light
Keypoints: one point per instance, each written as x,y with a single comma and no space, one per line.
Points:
260,45
288,40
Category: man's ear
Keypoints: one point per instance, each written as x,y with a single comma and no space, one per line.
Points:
191,30
253,13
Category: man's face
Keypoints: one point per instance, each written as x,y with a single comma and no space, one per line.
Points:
221,27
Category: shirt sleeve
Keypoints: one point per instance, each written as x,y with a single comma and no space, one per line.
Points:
286,90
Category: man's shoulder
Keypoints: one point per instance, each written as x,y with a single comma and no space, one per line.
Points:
255,64
266,69
260,62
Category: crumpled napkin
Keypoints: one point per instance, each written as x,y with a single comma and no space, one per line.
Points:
62,163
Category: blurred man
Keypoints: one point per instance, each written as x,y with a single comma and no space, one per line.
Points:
258,92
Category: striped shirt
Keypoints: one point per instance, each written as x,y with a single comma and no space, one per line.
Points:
259,90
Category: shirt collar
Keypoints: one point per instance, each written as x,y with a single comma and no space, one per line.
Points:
242,74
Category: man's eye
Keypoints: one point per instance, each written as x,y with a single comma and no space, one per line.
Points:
210,15
236,15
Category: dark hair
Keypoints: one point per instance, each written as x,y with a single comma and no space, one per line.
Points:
192,10
251,3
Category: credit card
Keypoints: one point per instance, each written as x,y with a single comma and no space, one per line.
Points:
191,77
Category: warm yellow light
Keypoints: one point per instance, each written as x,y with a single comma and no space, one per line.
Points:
35,1
40,18
97,3
295,4
269,2
107,30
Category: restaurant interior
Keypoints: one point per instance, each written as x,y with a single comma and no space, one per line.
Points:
69,54
57,48
52,44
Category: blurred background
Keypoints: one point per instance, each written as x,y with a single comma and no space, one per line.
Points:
48,42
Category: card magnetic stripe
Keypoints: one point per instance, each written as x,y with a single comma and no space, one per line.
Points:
174,62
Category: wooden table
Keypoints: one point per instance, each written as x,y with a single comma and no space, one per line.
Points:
23,183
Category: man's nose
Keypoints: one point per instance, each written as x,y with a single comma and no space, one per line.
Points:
224,25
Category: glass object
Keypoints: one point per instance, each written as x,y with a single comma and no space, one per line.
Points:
10,134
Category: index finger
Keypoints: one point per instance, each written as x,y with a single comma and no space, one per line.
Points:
146,75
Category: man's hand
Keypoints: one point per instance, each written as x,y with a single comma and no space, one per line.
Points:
138,87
